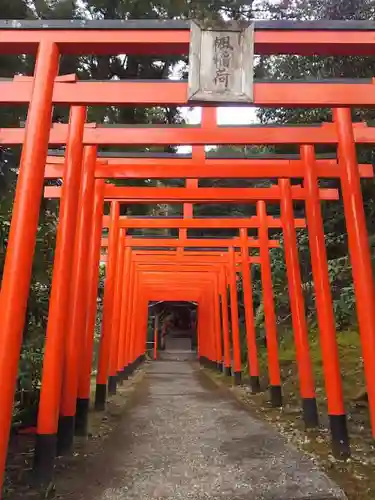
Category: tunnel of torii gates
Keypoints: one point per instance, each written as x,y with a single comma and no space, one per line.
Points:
138,269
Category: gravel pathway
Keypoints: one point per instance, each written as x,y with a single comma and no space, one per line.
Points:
184,438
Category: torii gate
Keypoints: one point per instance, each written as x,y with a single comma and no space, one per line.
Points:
46,88
118,170
309,402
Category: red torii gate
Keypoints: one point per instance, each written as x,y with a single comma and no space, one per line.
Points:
43,90
326,133
199,167
332,326
275,374
154,161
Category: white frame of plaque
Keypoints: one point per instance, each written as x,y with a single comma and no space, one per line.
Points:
198,88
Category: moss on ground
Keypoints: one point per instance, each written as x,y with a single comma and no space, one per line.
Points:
350,355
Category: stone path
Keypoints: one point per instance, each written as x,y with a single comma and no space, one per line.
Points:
186,439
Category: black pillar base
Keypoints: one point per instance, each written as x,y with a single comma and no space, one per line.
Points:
130,368
100,397
227,371
254,384
237,378
120,377
82,417
125,373
143,358
44,458
340,437
310,413
112,385
65,435
276,396
219,367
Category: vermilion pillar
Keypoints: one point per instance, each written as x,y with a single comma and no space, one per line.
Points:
84,382
211,332
133,319
324,307
142,337
269,308
217,322
297,306
124,313
116,318
200,340
358,248
128,367
252,351
198,154
207,340
54,356
234,318
75,337
21,242
225,322
130,323
141,328
105,340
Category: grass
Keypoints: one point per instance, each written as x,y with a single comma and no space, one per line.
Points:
350,356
